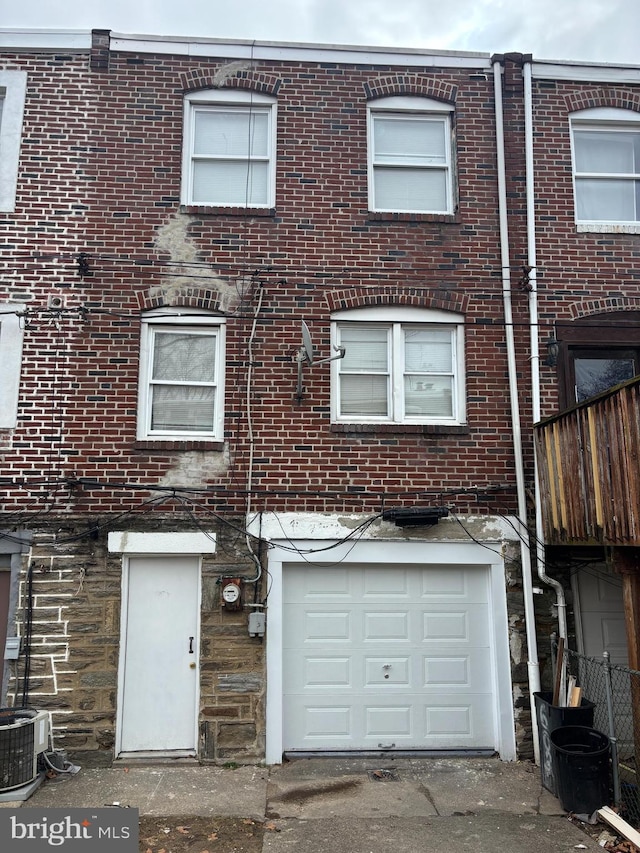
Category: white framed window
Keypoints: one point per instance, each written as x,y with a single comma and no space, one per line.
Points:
13,88
11,335
181,388
410,156
401,365
229,149
606,168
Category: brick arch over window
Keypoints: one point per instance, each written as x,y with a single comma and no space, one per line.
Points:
588,307
410,84
232,76
361,297
591,98
183,297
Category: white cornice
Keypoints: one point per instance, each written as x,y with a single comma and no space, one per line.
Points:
289,51
15,40
585,72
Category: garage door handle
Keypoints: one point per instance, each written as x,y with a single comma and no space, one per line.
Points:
191,645
386,745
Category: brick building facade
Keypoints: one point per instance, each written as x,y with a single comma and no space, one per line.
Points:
177,210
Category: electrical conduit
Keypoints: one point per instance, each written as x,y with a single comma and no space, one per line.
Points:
533,666
535,348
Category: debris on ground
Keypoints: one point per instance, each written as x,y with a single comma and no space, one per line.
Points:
197,834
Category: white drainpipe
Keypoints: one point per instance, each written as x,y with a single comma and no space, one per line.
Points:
533,664
535,349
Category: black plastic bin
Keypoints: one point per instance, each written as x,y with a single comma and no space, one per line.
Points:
581,762
551,717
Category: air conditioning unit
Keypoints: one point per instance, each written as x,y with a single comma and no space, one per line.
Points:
24,735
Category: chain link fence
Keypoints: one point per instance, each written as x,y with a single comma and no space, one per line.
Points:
615,692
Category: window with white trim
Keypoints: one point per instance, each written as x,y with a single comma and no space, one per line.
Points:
410,156
13,87
606,166
401,365
11,334
181,390
229,149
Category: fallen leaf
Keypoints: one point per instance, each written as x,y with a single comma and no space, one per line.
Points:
184,830
126,769
271,826
212,837
248,820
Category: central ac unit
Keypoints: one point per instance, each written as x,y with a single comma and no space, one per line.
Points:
24,734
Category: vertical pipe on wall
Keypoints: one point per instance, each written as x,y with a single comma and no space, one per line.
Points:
533,666
535,347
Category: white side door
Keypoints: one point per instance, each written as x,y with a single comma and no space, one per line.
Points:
159,668
602,625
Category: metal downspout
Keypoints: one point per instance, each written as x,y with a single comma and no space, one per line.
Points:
533,665
535,348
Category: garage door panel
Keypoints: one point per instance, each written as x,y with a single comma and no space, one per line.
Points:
382,672
386,584
457,671
317,584
468,722
323,626
387,658
448,624
386,626
324,721
445,722
388,722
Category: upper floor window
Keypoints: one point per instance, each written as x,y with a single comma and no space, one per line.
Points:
181,390
11,335
410,156
606,161
13,87
229,149
597,352
401,365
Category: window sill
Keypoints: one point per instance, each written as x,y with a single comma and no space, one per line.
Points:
178,444
446,218
607,228
413,429
219,210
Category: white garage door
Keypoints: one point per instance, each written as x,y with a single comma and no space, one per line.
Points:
379,657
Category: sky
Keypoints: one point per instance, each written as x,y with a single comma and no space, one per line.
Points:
579,30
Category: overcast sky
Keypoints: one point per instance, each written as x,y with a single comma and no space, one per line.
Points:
592,30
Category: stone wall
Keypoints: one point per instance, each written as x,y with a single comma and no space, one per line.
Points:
75,638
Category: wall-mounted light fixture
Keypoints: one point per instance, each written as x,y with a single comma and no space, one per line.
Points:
415,516
553,347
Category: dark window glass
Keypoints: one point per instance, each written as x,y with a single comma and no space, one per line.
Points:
597,371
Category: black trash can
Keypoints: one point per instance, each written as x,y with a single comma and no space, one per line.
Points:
581,764
551,717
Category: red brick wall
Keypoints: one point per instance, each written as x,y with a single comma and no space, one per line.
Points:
100,173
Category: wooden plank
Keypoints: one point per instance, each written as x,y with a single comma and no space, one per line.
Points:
576,697
619,824
562,498
552,464
593,452
559,670
571,683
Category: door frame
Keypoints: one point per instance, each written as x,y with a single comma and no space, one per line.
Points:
15,543
382,552
161,545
